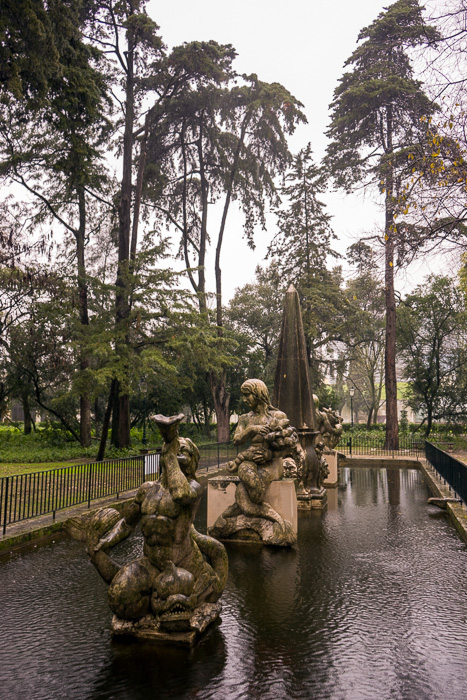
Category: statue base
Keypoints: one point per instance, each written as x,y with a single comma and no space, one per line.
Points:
149,628
332,459
312,501
280,495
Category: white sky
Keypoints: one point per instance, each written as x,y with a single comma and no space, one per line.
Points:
302,45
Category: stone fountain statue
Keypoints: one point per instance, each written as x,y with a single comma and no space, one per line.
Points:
271,439
171,593
329,425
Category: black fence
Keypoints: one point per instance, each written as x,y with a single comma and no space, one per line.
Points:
215,455
449,468
354,446
26,496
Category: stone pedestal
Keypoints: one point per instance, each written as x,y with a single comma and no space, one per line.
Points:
280,495
148,628
333,499
332,478
307,501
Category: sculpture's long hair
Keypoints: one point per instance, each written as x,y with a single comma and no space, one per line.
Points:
259,389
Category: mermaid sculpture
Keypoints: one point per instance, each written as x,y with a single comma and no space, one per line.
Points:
271,439
171,592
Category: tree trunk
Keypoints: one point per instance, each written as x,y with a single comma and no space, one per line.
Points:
120,418
106,422
26,414
204,225
207,419
85,401
392,426
85,416
429,421
221,399
121,421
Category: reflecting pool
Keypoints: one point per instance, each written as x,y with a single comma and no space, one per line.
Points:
372,604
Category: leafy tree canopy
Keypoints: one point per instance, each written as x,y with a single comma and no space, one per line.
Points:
432,332
381,81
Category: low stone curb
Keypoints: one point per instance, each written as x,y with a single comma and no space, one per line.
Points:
22,534
457,511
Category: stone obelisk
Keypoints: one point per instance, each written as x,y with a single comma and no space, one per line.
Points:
293,395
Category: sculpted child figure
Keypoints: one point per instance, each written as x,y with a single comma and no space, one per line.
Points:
271,439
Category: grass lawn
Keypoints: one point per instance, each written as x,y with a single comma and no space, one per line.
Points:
49,449
13,468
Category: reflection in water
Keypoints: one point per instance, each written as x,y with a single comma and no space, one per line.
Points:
371,604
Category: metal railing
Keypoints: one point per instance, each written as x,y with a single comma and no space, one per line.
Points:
354,446
26,496
216,454
450,469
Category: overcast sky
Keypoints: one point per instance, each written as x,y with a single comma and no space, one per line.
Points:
302,44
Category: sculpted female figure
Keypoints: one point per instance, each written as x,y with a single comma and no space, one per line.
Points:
174,586
271,439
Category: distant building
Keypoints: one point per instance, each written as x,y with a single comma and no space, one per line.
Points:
361,417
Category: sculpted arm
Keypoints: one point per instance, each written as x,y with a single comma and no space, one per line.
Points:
180,488
107,528
247,430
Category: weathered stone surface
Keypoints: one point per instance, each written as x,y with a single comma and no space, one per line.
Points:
311,501
329,425
292,387
332,459
271,439
293,395
280,495
147,628
443,502
76,526
171,592
242,527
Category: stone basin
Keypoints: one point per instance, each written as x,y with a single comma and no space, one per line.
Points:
371,604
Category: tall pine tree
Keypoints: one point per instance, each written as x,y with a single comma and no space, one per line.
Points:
376,118
301,249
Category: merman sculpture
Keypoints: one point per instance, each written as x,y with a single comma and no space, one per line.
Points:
171,592
271,438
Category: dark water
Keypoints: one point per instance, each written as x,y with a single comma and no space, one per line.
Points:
371,605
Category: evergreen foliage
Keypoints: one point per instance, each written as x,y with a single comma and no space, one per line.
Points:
366,331
94,326
376,119
301,250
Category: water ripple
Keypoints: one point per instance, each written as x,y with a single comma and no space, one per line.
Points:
372,604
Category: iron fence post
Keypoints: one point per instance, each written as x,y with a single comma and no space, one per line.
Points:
53,496
90,485
6,503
